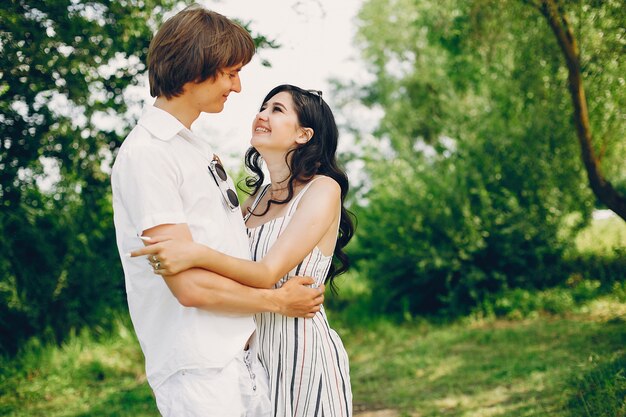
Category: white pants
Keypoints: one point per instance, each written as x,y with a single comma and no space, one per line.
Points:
240,389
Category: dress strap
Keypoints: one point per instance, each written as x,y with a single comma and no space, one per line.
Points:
294,201
256,202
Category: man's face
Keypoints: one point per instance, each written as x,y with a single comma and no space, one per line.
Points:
210,95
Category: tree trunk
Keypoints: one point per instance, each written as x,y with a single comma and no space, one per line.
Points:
603,189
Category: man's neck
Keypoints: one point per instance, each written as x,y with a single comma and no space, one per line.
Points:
177,107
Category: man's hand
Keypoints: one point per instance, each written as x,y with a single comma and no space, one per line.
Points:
297,299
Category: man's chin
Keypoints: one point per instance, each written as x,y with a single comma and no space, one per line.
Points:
214,109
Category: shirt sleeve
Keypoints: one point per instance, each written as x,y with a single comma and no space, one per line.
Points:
147,180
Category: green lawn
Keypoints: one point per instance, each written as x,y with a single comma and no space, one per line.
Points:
88,376
490,368
496,368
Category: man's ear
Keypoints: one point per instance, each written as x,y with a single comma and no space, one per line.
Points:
306,133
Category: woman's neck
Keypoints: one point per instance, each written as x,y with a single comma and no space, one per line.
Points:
279,176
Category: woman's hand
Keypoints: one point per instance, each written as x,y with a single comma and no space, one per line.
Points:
168,256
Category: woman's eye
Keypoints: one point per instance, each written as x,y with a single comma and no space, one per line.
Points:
276,108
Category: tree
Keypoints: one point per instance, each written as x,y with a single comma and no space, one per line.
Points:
65,69
475,181
556,17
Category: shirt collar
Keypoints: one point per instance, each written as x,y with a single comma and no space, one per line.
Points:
161,124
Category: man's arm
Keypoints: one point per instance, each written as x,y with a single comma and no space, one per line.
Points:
206,290
314,221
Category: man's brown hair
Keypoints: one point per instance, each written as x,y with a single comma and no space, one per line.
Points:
194,45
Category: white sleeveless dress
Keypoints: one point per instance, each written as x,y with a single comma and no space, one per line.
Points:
305,359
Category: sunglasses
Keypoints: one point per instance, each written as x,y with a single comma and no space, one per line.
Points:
221,179
316,93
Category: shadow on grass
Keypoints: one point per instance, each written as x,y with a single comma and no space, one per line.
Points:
500,369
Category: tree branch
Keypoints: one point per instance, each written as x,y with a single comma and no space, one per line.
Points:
603,189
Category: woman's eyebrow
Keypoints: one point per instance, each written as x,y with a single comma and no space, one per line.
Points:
277,103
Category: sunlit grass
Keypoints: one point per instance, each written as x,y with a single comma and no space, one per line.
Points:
602,236
485,368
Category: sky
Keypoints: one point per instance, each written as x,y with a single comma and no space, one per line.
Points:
316,38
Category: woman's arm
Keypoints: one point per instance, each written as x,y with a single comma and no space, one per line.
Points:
316,215
206,290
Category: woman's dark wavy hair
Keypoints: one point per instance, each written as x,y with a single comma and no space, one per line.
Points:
316,157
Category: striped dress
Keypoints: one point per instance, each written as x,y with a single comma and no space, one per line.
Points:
305,359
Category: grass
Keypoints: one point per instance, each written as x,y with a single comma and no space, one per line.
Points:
602,236
89,375
601,391
491,368
532,367
561,355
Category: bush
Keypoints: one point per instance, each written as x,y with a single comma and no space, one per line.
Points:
62,270
443,235
520,303
607,268
618,290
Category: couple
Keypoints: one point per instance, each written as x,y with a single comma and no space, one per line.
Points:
234,325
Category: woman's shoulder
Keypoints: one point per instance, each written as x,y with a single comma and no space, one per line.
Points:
324,181
322,187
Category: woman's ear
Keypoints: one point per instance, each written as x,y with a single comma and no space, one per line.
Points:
306,133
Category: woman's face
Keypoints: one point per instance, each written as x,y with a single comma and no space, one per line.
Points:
276,127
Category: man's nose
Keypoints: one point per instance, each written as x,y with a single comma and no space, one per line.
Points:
236,87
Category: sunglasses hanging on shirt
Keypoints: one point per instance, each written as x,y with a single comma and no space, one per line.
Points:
221,179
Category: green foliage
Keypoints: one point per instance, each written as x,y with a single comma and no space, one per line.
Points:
65,66
353,303
441,236
64,69
475,170
520,303
607,268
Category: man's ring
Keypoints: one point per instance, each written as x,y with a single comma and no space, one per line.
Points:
157,266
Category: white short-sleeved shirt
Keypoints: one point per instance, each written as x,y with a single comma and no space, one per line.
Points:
161,176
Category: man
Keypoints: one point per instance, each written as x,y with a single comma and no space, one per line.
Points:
195,328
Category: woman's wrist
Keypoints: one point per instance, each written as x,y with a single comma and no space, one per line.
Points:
199,255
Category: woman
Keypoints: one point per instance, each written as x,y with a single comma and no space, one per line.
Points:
296,225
